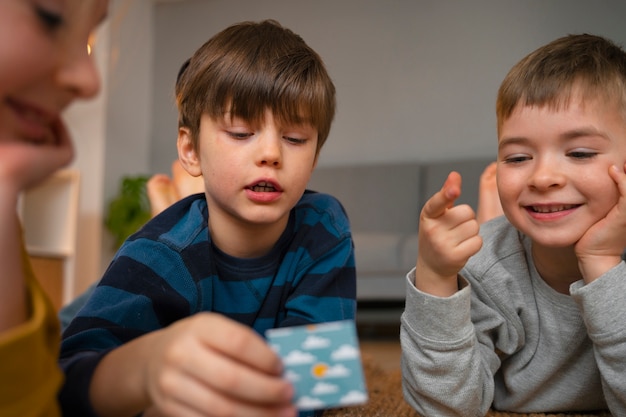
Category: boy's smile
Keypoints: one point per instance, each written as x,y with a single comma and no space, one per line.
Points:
551,209
28,121
38,82
553,167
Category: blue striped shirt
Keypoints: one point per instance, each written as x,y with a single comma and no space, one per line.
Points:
170,270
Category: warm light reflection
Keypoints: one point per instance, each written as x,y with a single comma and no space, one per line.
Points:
90,41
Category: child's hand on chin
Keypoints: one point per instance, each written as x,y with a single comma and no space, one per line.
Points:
28,161
601,247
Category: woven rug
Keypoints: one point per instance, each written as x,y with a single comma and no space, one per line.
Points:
386,400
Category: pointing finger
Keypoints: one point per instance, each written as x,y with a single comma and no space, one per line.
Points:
444,198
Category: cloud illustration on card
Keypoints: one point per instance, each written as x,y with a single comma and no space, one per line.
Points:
323,362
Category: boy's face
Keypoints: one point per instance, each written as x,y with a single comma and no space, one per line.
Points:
254,175
46,65
553,165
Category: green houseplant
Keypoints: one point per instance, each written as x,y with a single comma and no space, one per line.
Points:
129,210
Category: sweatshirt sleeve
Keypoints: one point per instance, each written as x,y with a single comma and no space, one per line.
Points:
29,374
445,371
603,306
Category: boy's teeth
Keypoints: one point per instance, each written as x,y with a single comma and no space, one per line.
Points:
552,209
263,187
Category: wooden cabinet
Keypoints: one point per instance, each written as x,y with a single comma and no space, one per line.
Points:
49,271
49,214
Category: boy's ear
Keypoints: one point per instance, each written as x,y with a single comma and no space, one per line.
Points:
187,152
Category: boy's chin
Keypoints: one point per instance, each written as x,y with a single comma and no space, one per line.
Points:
554,241
550,238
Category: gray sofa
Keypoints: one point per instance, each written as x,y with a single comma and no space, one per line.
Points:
383,202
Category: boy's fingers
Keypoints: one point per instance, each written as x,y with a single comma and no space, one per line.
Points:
619,176
241,343
242,383
444,198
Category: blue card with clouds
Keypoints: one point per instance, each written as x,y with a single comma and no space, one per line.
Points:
323,362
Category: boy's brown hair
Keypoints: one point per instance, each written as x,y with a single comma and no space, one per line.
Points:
587,64
251,67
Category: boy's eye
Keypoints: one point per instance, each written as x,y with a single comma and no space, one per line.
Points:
50,19
239,135
514,159
582,154
295,141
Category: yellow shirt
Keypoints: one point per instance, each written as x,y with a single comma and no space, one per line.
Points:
29,373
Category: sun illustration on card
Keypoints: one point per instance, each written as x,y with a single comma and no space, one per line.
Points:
319,370
322,361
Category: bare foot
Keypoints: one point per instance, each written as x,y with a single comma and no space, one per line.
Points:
488,201
161,193
185,184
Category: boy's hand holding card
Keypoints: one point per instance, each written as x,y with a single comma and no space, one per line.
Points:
323,362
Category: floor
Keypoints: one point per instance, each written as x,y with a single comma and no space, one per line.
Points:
386,353
379,335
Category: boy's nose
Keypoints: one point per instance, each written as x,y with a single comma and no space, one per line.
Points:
546,174
269,152
79,75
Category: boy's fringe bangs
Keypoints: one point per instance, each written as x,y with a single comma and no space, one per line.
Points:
557,94
293,98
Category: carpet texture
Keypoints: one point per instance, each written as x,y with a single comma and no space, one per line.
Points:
386,400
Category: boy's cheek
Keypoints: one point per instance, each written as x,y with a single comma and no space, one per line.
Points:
508,197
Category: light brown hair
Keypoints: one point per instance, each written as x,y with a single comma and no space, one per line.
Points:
251,67
591,65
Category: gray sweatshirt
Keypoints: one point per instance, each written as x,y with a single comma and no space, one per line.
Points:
509,341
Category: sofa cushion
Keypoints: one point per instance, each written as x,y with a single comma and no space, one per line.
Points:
377,197
384,252
382,262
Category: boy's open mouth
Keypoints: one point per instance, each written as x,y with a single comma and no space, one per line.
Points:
263,187
552,209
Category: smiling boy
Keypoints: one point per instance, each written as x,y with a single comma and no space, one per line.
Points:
44,68
174,327
527,315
